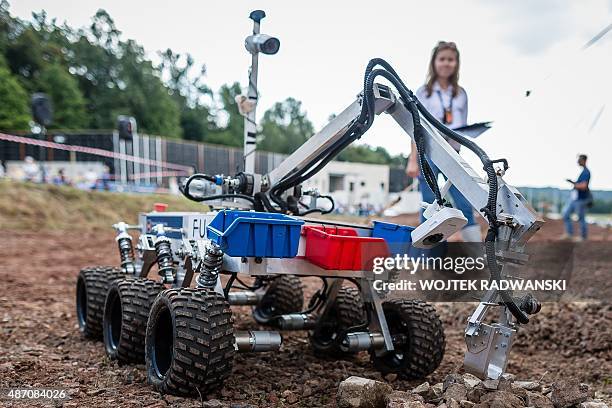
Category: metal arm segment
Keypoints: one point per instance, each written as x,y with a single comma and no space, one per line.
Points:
331,133
510,202
488,345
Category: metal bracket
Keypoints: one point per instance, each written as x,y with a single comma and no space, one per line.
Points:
378,324
149,258
488,350
488,345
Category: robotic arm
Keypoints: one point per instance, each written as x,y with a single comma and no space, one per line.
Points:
512,222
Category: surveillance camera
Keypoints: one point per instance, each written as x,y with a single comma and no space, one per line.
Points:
438,227
262,43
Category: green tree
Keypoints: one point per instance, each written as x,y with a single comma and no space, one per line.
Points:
197,123
6,26
232,133
188,90
364,153
145,95
116,78
67,100
93,58
284,127
14,112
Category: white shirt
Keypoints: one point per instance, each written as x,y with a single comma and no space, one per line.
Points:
445,96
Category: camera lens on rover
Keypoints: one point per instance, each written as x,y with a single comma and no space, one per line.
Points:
433,239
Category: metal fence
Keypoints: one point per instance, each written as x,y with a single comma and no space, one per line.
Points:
206,158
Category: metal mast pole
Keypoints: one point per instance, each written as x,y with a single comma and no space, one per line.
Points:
250,124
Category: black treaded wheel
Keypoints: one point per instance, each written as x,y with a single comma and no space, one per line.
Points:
346,312
418,336
189,342
126,311
92,285
284,295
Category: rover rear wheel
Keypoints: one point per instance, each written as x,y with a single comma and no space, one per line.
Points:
284,295
126,311
91,287
418,339
346,312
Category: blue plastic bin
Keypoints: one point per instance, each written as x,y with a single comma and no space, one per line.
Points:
255,234
397,236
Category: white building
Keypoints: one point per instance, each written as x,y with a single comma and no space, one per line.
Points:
351,184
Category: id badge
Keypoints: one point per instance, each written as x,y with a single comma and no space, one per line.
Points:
448,116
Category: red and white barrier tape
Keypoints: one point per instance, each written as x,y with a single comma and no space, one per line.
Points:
153,174
95,151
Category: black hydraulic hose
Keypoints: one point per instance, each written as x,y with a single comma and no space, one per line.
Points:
220,197
320,210
329,157
364,122
297,177
516,311
207,177
266,202
186,193
357,129
490,209
354,132
390,74
324,158
418,129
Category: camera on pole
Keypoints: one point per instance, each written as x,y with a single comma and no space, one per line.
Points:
257,42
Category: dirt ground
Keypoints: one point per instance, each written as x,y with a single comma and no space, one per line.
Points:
40,345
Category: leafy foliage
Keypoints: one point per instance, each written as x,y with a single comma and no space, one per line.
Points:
14,113
368,154
232,134
92,75
284,127
67,100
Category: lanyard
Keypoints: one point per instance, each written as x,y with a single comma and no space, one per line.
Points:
448,112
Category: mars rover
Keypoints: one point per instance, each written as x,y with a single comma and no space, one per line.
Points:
169,302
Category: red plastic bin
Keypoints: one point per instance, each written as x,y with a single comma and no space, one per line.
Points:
341,248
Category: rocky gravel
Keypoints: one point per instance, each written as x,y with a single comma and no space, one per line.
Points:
467,391
40,346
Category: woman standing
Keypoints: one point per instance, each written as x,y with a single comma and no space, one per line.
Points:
446,100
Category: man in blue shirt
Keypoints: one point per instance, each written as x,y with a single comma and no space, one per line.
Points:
580,197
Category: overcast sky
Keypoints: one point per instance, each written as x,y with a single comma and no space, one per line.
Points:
506,48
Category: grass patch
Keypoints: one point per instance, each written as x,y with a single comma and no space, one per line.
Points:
43,206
